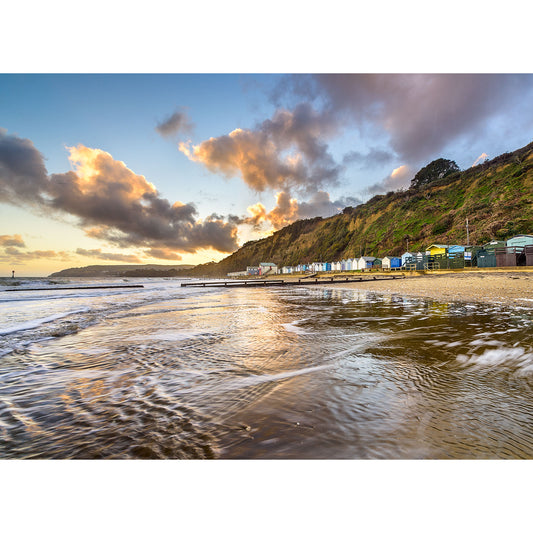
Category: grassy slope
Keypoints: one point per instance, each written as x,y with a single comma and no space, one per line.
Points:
496,197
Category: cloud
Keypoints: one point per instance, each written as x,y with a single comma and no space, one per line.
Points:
284,152
109,200
374,157
98,254
420,113
480,159
399,178
163,254
288,210
17,257
12,240
23,175
176,123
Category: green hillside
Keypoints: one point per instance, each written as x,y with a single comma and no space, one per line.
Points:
105,271
496,197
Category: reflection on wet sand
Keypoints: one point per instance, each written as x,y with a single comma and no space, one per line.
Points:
276,373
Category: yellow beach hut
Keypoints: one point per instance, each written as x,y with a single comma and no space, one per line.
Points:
436,249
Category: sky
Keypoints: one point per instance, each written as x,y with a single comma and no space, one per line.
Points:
164,147
185,168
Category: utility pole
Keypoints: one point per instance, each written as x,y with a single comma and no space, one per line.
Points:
467,235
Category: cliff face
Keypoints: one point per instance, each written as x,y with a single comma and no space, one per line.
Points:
496,197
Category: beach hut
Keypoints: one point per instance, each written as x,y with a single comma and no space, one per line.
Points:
486,258
267,268
437,249
336,266
318,266
366,261
389,263
508,256
456,249
405,257
519,240
418,261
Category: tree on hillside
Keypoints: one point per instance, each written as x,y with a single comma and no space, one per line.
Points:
435,170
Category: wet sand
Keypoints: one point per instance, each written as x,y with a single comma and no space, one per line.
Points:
509,288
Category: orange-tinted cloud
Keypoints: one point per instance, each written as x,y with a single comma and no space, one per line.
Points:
288,210
399,178
284,152
12,240
480,158
108,199
16,257
163,254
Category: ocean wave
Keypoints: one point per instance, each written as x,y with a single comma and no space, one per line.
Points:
33,324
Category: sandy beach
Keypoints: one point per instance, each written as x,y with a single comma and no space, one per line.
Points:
510,287
513,288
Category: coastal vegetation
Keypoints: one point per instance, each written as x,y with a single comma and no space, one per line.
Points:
496,197
130,271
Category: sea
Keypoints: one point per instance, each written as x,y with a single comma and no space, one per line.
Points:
94,369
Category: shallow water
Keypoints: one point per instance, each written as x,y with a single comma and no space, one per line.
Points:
180,372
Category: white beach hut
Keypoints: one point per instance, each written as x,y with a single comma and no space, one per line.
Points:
405,257
365,262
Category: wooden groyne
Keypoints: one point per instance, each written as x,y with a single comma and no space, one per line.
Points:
282,282
78,288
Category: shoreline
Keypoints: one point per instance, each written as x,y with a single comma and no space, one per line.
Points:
511,287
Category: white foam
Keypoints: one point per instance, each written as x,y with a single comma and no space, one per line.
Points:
32,324
483,342
294,328
516,357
